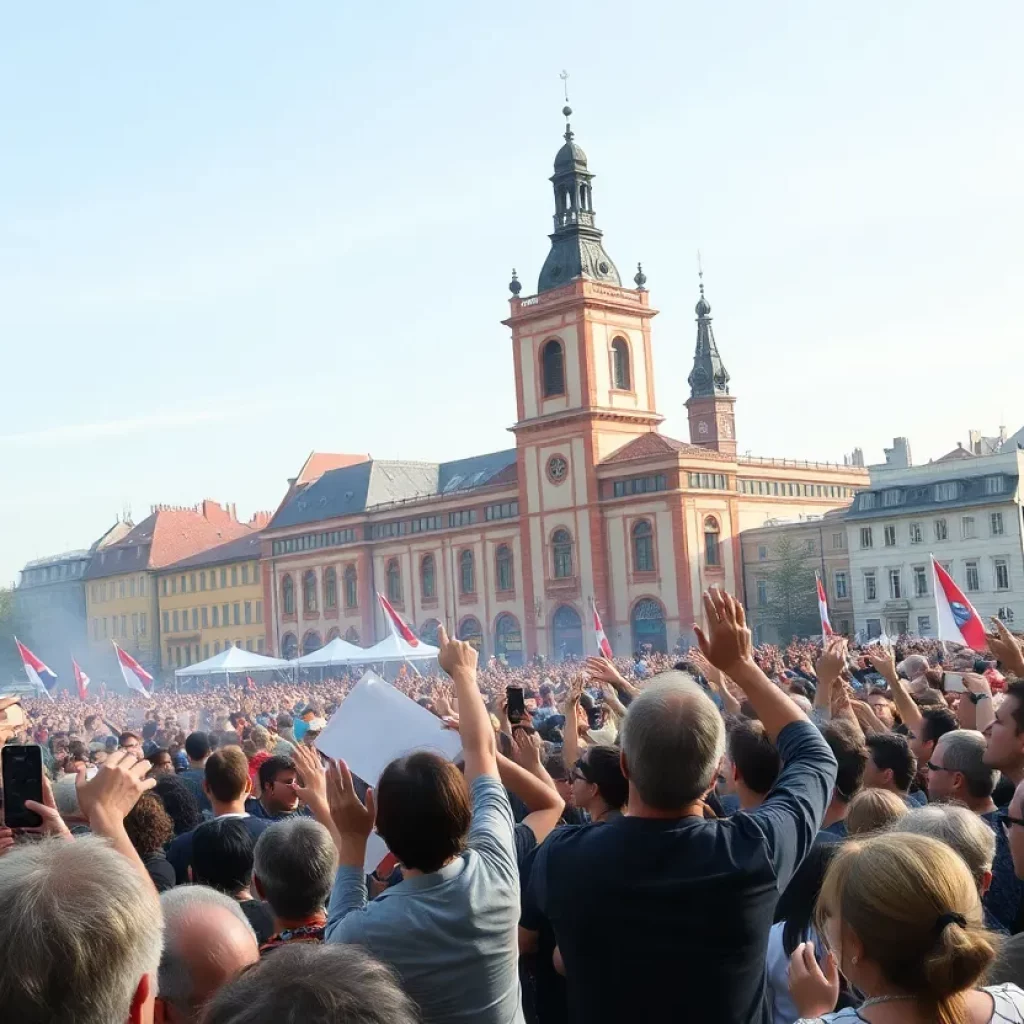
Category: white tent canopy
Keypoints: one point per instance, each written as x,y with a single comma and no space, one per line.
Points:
337,652
233,659
394,648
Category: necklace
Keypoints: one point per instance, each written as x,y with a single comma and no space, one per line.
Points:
876,1000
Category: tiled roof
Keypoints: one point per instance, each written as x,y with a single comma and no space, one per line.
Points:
649,446
319,463
353,489
918,497
166,536
238,550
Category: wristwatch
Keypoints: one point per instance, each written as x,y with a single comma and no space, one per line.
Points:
976,698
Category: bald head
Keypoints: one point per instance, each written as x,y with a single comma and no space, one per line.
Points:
207,941
672,740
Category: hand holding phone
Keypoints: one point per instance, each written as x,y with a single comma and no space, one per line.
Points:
23,780
516,706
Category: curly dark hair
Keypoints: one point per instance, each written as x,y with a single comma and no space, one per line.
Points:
148,825
179,802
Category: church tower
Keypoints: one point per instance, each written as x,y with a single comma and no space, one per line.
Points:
710,406
584,388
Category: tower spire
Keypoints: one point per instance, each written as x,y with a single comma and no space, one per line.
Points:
576,246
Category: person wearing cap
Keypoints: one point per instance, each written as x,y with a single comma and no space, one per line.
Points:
309,713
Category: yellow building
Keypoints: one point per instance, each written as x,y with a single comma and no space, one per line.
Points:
121,599
211,601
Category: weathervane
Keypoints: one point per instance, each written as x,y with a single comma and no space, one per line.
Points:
564,76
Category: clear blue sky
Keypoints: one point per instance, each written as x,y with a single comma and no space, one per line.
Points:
232,233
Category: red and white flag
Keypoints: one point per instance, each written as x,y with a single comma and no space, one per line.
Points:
826,626
37,671
81,679
398,624
958,622
602,641
135,676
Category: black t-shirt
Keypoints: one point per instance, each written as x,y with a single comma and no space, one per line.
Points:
682,906
179,853
160,871
260,916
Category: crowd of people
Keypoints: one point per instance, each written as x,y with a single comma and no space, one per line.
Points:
733,834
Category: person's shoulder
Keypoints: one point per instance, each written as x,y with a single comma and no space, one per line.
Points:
1006,999
257,825
839,1016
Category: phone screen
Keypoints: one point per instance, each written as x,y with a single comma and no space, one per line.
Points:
516,704
23,780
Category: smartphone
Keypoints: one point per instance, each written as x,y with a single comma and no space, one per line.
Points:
516,704
953,682
23,780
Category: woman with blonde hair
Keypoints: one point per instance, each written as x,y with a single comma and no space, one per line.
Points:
903,922
873,809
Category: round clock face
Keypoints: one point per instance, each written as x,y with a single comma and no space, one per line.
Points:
557,469
702,428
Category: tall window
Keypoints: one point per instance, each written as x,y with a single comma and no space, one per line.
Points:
941,530
351,587
620,365
870,587
288,595
561,544
309,591
996,524
973,582
920,581
915,533
552,361
394,581
428,578
330,589
1002,574
841,586
712,554
643,546
867,540
895,584
890,536
762,592
503,567
967,527
467,573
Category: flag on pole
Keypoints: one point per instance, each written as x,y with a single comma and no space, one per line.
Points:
135,676
41,675
81,679
602,641
958,622
826,626
397,623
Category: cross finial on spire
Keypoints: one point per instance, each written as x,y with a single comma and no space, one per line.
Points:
566,110
564,76
700,272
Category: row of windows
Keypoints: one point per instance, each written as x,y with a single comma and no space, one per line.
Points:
182,655
111,590
920,575
947,490
639,485
506,510
49,573
552,362
312,541
940,531
229,576
236,614
711,481
117,627
840,587
788,489
310,603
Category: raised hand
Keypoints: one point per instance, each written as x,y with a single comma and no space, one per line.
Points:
831,662
604,671
313,791
351,817
706,669
442,697
572,697
1006,648
884,663
455,656
114,790
527,747
815,992
53,824
727,641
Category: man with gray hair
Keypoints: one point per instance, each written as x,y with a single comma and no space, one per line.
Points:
700,892
294,863
80,935
207,942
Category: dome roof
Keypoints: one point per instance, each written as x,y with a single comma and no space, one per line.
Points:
570,157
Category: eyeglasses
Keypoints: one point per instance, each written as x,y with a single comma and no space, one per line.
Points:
579,771
937,767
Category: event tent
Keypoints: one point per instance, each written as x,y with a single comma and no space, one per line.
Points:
234,659
337,652
394,648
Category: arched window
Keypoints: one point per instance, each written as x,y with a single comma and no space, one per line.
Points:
330,589
288,595
333,633
467,573
508,639
566,633
648,626
621,377
311,642
643,547
503,568
561,544
309,591
352,635
289,646
394,581
216,647
351,587
552,362
428,578
428,632
712,554
471,632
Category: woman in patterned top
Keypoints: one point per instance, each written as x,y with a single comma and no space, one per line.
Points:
903,922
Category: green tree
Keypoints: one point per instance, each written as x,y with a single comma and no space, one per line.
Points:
792,607
10,663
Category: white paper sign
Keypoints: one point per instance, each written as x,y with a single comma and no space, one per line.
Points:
375,724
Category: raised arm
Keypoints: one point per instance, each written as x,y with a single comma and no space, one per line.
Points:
458,659
885,665
605,671
570,731
541,798
1006,649
727,646
984,710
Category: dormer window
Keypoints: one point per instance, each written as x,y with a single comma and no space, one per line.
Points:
947,491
